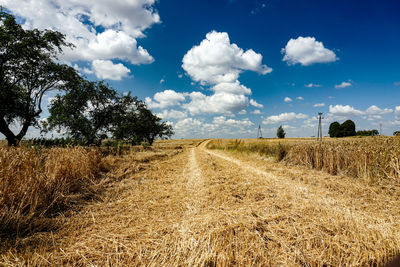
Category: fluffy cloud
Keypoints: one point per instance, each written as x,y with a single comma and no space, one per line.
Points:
216,60
371,113
218,63
257,111
234,88
300,98
343,85
255,104
222,121
374,110
188,127
317,105
221,102
312,85
340,110
287,99
307,51
397,112
106,69
165,99
121,24
172,114
283,117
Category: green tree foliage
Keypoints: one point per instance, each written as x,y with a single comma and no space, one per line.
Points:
136,123
373,132
280,133
334,129
27,71
85,112
396,133
91,110
347,128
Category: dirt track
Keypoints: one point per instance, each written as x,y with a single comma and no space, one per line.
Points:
204,207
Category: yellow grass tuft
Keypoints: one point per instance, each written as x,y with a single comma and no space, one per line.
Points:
38,183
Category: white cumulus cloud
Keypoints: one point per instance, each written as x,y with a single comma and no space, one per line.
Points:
216,60
106,69
343,85
307,51
221,120
255,104
347,110
283,117
172,114
287,99
221,102
300,98
98,29
374,110
165,99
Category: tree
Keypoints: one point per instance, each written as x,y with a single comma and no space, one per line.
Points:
348,128
86,111
136,123
373,132
280,133
27,71
334,129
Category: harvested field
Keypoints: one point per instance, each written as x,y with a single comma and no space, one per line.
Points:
183,204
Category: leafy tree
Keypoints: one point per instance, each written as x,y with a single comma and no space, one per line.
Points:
280,133
138,124
86,111
27,71
373,132
348,128
396,133
334,129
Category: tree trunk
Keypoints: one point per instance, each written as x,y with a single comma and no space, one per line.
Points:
10,136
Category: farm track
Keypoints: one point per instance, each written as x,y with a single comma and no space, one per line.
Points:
203,207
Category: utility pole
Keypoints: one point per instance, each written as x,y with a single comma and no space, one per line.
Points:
380,128
319,136
259,133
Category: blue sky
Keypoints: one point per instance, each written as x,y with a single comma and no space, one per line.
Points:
221,68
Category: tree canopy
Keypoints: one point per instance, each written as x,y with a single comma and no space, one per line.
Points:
334,129
136,123
92,111
85,111
280,133
347,128
27,71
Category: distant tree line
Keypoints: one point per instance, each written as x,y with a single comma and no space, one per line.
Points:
85,110
348,128
372,132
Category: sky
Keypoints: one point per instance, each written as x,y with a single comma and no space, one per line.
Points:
221,68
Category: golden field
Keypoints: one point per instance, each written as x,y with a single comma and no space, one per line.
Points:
292,202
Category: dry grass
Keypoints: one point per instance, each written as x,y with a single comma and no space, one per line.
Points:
36,184
374,159
204,207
